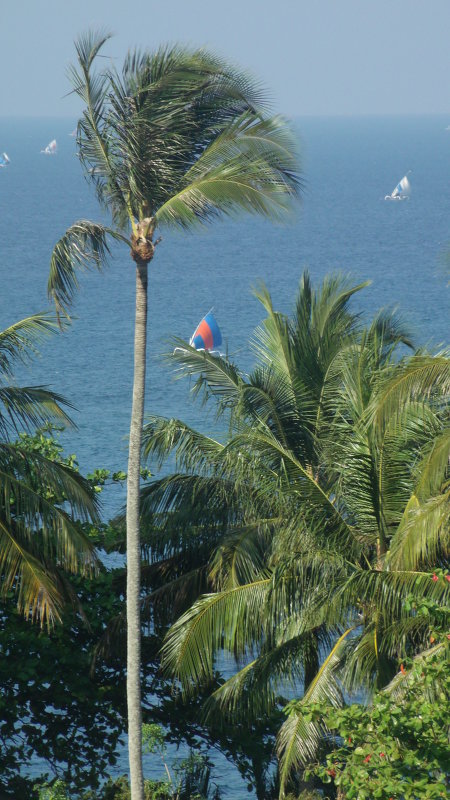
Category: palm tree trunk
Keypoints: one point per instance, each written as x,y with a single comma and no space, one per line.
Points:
133,540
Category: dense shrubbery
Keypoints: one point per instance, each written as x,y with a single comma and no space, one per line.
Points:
398,746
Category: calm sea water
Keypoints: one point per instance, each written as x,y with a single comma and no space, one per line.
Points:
343,224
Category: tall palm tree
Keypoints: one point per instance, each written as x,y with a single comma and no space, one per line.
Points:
39,499
336,458
176,139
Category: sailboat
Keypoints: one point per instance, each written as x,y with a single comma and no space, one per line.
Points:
51,148
73,133
402,190
206,337
4,160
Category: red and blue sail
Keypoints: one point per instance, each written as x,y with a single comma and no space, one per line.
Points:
207,335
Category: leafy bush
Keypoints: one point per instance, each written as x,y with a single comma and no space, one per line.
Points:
398,747
120,790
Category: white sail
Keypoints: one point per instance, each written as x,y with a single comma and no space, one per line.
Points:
51,148
401,191
4,159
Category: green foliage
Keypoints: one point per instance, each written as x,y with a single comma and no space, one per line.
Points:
42,495
192,782
68,718
95,698
54,791
325,509
398,748
119,789
153,739
176,138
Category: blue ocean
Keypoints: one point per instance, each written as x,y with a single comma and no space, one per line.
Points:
343,223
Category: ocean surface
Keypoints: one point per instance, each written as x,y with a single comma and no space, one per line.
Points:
343,223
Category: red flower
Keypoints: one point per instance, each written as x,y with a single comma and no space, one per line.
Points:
349,739
402,669
435,578
367,758
447,578
332,772
382,755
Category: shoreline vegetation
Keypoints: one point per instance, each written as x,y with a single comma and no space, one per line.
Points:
312,543
274,575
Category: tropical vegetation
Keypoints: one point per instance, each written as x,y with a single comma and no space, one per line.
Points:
175,139
303,542
40,499
398,746
280,584
306,543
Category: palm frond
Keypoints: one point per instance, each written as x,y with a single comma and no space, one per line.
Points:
257,688
431,470
240,556
19,341
37,489
423,534
84,246
250,166
420,377
230,619
30,407
38,596
400,684
389,590
216,377
298,740
162,437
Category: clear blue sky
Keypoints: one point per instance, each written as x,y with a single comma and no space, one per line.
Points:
316,56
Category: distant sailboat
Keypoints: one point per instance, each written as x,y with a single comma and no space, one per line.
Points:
73,133
51,148
402,190
206,337
4,160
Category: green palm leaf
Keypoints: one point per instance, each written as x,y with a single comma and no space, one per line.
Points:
230,619
299,739
251,166
30,407
422,376
423,534
84,246
38,595
19,341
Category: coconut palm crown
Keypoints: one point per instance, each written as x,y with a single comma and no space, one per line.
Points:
176,138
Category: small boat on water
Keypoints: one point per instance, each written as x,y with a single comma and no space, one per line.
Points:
51,148
402,190
4,160
206,337
73,133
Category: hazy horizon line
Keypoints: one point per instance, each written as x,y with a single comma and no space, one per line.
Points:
302,115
